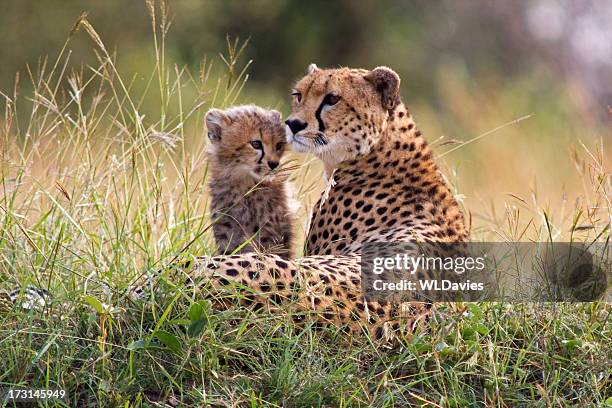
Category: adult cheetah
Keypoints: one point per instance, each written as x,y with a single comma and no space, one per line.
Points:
386,185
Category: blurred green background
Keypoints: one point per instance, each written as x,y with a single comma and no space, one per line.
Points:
467,67
553,44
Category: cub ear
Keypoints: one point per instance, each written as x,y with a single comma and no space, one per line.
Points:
387,83
312,68
276,116
215,121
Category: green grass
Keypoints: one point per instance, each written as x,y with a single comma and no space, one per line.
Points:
492,355
98,188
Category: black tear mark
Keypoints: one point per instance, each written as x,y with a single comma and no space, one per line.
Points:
320,108
318,116
262,147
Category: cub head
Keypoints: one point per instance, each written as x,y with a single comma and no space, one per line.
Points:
246,140
339,114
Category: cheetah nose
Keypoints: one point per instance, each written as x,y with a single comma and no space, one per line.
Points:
296,125
272,164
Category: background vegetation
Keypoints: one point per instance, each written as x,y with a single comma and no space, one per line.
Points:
466,69
103,179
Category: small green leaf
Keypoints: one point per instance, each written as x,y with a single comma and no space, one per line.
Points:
468,332
169,340
481,328
475,309
196,328
195,312
608,402
95,303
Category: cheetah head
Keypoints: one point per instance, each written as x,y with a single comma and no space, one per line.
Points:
339,114
245,140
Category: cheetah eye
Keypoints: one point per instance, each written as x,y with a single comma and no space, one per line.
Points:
256,144
331,99
297,96
280,146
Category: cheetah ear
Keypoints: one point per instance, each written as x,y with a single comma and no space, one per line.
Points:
276,115
215,121
312,68
387,83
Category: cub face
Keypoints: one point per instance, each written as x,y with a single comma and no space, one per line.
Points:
339,114
247,139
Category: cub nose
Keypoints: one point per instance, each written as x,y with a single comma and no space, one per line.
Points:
296,125
272,164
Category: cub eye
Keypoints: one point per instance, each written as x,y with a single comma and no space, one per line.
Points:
256,144
280,145
297,96
331,99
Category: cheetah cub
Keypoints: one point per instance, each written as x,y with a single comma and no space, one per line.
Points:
250,200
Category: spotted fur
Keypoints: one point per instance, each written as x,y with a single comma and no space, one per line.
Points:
250,196
386,187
